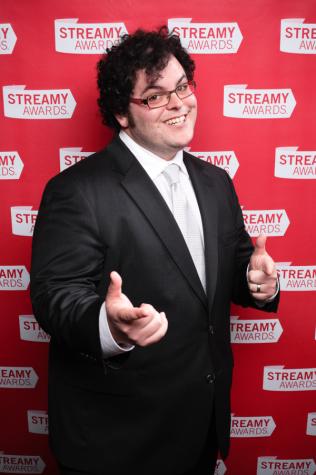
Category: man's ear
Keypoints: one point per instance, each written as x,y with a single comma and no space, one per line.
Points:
122,120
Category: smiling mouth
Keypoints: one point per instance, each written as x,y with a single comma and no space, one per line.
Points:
176,120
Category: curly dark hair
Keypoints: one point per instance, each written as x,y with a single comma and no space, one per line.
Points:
117,69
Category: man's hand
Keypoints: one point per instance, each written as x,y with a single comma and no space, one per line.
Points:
140,326
262,275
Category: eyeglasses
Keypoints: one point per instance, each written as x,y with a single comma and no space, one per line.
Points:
160,100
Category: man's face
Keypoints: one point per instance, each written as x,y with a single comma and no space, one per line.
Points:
167,129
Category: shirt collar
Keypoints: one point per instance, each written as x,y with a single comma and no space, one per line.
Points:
152,164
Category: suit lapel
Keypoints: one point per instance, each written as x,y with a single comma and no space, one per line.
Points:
144,193
202,180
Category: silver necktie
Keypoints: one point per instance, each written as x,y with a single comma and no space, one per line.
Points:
186,220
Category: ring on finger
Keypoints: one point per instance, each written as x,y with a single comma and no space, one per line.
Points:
258,288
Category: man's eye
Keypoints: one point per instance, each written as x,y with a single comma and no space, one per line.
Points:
154,98
182,87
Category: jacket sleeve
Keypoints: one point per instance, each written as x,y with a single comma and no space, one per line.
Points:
67,264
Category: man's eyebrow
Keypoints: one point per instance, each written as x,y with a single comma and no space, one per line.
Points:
153,85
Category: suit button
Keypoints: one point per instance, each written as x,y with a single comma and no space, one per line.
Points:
211,330
210,378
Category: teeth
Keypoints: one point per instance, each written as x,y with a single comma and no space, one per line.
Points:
177,120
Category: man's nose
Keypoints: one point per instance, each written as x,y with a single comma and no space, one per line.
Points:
174,101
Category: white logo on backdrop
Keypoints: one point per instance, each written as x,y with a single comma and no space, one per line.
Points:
255,331
12,377
271,222
273,466
206,38
31,464
297,36
86,38
291,163
23,220
244,103
21,103
11,166
14,278
276,378
258,426
296,278
37,422
311,423
7,38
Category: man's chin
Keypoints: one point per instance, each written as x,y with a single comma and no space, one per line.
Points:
184,142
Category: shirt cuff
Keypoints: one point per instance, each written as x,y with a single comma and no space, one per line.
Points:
108,345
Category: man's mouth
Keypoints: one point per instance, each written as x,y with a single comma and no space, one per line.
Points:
176,120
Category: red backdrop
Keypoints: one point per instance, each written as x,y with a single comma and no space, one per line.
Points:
255,71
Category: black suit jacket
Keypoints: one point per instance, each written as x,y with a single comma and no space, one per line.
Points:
147,411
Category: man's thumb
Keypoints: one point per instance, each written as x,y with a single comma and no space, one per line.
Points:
260,246
115,287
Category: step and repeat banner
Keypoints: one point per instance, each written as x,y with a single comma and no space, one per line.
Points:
256,89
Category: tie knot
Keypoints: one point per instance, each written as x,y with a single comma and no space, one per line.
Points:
171,172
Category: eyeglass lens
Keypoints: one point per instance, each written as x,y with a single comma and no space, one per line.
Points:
182,91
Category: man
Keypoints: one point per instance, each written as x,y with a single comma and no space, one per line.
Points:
135,290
